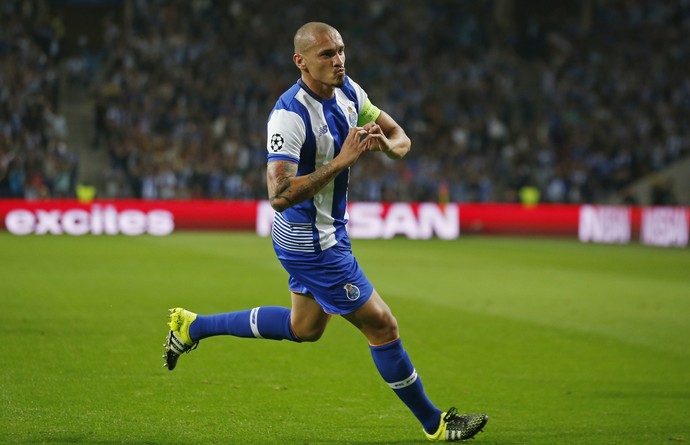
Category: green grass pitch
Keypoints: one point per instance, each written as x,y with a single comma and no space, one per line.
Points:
559,342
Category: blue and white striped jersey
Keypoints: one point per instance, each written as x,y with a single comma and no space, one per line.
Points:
309,130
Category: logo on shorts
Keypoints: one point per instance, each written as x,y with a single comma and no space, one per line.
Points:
351,291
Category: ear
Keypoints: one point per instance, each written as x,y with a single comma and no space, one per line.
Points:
299,61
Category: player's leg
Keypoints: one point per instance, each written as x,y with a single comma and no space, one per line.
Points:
304,321
188,328
269,322
376,321
308,319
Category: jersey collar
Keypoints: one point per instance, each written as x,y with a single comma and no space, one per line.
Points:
304,86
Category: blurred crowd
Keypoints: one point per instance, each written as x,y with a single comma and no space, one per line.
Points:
572,110
35,161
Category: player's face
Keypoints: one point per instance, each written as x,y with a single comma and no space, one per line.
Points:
325,61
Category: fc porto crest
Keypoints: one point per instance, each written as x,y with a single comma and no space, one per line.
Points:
352,115
351,291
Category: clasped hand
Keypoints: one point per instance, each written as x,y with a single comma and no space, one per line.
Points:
361,139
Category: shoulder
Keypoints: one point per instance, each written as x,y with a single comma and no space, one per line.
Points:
288,100
296,102
288,110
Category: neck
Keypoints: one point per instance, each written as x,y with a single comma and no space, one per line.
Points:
320,89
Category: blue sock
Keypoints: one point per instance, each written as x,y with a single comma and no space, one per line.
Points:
395,367
271,322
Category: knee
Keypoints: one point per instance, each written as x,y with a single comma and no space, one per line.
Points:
389,329
383,329
308,330
376,321
310,334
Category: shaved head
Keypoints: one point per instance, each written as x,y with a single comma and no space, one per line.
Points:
305,37
320,56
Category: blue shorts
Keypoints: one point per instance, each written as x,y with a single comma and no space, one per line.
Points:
333,277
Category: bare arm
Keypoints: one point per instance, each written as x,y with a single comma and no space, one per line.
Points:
285,188
388,137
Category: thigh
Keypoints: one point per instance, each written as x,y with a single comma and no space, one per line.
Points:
308,319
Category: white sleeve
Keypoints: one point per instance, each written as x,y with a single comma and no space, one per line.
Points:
286,135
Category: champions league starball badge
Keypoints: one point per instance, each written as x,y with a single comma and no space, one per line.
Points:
351,291
277,142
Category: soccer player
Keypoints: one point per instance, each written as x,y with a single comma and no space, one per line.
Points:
316,132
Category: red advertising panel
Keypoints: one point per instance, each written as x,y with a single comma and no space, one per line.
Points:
662,226
516,219
128,217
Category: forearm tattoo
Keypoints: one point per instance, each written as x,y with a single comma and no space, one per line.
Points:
287,187
279,182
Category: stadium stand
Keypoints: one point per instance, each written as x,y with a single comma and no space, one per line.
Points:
579,103
35,161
